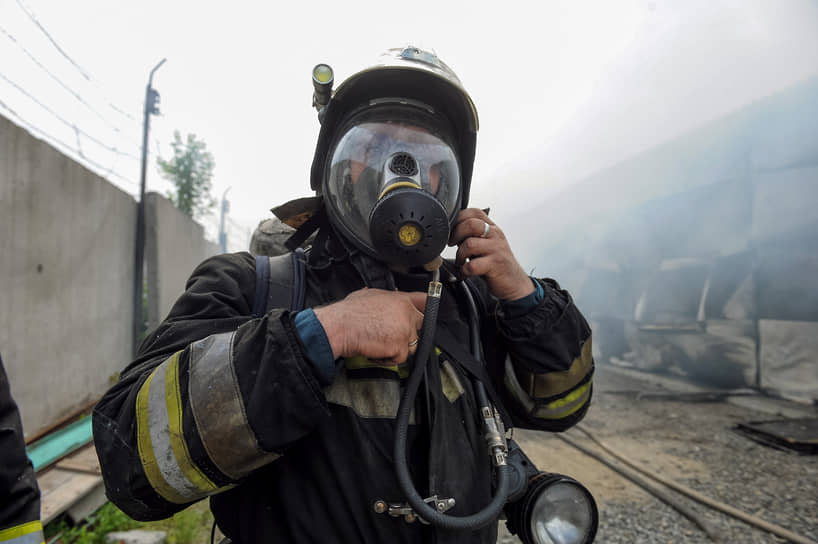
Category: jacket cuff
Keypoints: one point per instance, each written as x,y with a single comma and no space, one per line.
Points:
521,306
541,315
316,345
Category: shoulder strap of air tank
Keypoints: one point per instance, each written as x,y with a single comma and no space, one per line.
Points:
262,275
299,284
280,282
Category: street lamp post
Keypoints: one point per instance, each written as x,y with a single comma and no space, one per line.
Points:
222,229
151,107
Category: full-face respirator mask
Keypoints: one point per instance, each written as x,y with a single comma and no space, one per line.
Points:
393,184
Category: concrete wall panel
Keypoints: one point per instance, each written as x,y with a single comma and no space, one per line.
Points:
174,246
66,275
66,254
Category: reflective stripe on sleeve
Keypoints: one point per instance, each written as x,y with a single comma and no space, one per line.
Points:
219,411
540,386
565,406
557,408
27,533
178,445
144,443
162,448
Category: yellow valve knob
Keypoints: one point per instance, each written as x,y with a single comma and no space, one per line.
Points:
409,234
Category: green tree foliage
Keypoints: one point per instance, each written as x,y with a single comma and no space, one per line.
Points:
190,169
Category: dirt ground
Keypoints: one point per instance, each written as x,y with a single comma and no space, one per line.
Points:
688,441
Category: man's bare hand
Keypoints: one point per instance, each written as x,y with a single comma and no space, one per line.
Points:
486,253
380,325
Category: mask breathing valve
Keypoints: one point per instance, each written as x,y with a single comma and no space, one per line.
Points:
408,226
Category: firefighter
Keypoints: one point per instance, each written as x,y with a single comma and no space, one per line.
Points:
287,422
19,493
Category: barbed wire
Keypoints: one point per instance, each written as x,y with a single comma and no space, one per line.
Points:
53,140
70,90
76,150
79,68
52,40
66,122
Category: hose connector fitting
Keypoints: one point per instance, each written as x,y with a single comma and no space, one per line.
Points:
494,436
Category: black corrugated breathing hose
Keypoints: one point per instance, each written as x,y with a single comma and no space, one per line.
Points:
421,508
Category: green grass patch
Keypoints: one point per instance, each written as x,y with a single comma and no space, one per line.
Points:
190,526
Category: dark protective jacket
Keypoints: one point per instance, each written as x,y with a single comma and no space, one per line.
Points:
224,405
19,493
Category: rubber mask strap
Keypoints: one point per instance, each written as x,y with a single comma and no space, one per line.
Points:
316,221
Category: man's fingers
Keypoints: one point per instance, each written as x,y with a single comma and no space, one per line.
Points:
386,327
466,228
470,216
418,322
473,213
418,299
413,346
480,266
474,228
473,247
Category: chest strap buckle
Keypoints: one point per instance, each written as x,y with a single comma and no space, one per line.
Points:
402,509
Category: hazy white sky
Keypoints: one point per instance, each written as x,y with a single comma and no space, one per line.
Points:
562,88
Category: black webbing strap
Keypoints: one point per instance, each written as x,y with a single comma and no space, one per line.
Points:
299,261
448,343
309,226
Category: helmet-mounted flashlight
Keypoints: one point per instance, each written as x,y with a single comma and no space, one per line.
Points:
322,80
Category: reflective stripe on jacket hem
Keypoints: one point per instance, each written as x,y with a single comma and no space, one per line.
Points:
368,398
27,533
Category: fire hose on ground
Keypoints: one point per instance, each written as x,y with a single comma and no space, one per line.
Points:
630,472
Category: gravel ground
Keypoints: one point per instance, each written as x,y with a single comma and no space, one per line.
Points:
692,443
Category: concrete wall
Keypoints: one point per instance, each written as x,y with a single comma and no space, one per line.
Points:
174,246
66,277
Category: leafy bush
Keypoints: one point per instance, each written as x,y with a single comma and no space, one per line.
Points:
190,526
